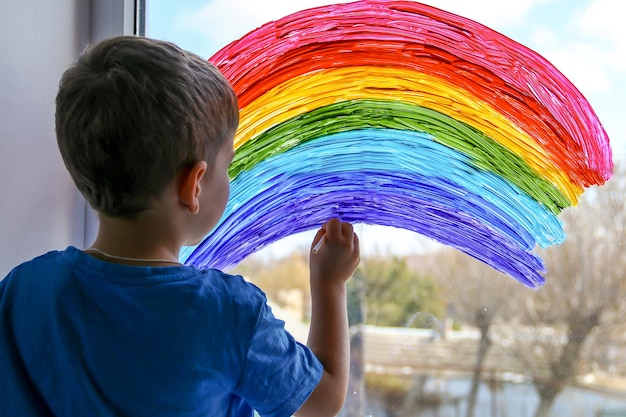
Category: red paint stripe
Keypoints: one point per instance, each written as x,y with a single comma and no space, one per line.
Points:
525,87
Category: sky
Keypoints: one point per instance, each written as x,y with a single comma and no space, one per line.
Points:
584,39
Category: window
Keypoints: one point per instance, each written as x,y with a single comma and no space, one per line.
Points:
423,316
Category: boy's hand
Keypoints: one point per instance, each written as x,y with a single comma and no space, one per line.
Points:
332,263
339,254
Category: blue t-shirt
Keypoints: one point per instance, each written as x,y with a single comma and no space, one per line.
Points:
84,337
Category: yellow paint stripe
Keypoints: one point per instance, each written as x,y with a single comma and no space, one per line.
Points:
311,91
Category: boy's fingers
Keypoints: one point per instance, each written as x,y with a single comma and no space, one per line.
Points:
336,229
347,230
333,228
355,242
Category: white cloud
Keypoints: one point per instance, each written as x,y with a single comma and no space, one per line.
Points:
587,44
495,14
581,65
211,22
603,21
545,36
591,50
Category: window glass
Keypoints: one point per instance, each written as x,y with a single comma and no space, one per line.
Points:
434,332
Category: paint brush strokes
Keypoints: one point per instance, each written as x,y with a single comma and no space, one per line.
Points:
398,114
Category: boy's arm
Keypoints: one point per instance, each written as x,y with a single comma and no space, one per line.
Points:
328,338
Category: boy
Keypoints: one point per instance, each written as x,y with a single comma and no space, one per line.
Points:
146,131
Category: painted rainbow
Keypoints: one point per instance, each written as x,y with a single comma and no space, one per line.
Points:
398,114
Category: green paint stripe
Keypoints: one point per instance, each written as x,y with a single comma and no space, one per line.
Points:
485,153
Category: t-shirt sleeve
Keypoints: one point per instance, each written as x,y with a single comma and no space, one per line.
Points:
280,373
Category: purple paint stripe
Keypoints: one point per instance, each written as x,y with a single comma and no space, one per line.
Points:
428,207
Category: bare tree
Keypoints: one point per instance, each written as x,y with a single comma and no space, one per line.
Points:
478,296
583,294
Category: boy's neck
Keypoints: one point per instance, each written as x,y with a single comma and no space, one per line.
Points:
139,241
130,260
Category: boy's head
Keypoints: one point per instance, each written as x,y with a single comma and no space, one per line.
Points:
131,113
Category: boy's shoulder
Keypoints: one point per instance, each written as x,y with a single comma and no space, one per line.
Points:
45,260
34,278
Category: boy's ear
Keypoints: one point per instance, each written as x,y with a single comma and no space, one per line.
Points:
190,186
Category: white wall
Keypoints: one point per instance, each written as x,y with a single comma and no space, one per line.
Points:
40,209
